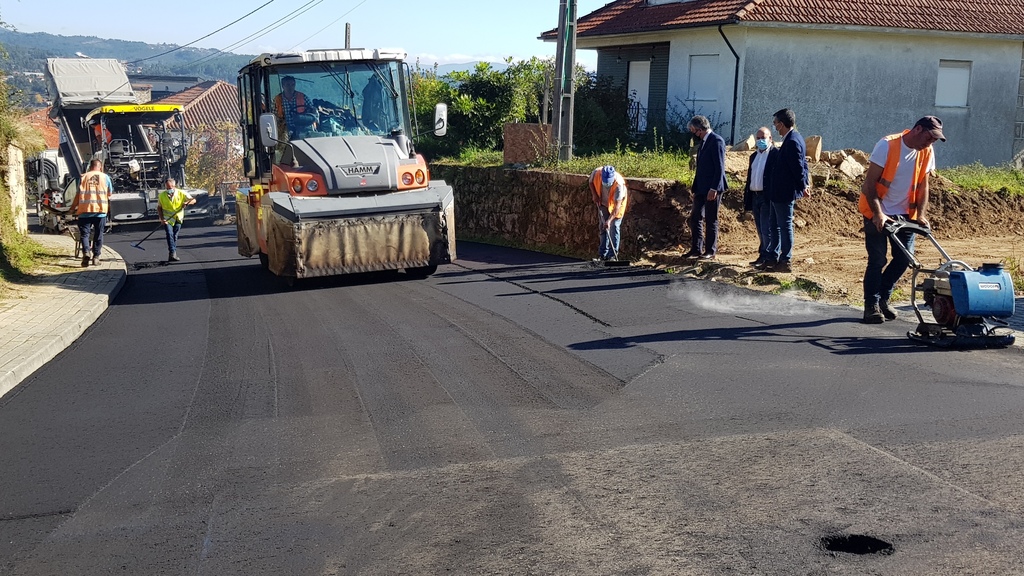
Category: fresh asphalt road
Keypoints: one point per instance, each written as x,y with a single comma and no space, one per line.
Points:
515,413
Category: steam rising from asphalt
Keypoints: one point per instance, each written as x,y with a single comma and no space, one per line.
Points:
729,302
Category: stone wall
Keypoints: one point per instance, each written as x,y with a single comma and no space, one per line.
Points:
525,143
555,212
14,182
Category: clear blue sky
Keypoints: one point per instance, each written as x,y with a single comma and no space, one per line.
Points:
442,31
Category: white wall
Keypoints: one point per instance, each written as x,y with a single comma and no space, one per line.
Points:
855,87
702,42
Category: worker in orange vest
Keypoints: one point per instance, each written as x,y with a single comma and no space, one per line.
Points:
610,195
101,134
291,106
91,205
895,188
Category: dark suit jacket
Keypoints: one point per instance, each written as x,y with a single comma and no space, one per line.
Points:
790,175
769,168
710,173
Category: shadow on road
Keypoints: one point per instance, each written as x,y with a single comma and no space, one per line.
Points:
846,345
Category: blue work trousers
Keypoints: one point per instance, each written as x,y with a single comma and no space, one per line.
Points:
879,279
90,231
172,236
609,247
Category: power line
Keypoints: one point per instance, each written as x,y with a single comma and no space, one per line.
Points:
203,38
270,27
329,25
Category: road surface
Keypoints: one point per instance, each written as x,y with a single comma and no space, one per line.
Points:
515,413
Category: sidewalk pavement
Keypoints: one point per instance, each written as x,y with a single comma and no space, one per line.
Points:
40,319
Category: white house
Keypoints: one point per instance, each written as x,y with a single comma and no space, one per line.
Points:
853,71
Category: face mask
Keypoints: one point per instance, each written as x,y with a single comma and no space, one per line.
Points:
762,144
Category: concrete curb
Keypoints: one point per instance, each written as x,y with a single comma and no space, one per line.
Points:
74,317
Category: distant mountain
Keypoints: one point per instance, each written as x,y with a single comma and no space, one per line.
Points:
27,53
443,69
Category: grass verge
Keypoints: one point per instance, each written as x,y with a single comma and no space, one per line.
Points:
1001,179
19,254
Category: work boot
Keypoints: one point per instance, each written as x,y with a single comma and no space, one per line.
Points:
873,315
95,260
172,257
85,261
888,311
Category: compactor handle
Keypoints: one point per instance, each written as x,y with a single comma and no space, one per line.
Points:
895,226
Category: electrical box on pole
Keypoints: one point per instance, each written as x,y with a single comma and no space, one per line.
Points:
565,68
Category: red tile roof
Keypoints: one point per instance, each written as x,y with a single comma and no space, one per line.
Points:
207,104
975,16
40,120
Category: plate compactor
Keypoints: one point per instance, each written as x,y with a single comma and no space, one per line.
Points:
968,305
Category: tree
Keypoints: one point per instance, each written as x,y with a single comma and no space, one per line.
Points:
214,157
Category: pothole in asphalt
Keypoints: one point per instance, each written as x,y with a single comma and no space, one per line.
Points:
856,544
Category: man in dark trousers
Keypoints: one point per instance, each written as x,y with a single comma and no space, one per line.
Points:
789,182
708,187
895,188
755,192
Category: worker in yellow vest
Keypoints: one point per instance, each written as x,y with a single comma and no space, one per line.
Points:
895,188
171,209
610,195
91,205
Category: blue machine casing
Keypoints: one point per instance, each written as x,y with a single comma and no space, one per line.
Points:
985,292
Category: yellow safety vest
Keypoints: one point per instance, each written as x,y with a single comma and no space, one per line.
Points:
892,161
595,181
172,202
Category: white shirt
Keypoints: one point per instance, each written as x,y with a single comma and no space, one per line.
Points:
897,200
757,171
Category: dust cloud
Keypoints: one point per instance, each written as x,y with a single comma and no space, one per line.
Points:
729,302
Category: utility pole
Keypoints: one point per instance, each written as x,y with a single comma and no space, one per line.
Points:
565,68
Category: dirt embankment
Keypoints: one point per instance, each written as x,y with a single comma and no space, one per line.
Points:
829,255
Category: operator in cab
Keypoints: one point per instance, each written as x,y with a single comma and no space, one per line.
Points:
294,110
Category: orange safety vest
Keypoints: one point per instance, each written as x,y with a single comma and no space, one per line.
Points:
595,185
300,103
93,194
102,134
892,161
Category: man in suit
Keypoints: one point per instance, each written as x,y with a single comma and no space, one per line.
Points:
789,182
708,187
755,191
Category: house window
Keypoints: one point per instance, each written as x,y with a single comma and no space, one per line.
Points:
703,77
953,83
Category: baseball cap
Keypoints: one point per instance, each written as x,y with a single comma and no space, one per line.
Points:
933,125
607,175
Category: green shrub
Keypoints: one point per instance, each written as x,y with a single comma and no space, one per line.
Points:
1002,179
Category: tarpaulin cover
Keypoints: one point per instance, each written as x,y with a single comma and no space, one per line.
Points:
89,82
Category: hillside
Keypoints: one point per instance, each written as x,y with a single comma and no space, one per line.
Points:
27,54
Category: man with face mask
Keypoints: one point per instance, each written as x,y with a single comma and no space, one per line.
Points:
756,192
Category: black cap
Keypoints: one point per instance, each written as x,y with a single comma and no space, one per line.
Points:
933,125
